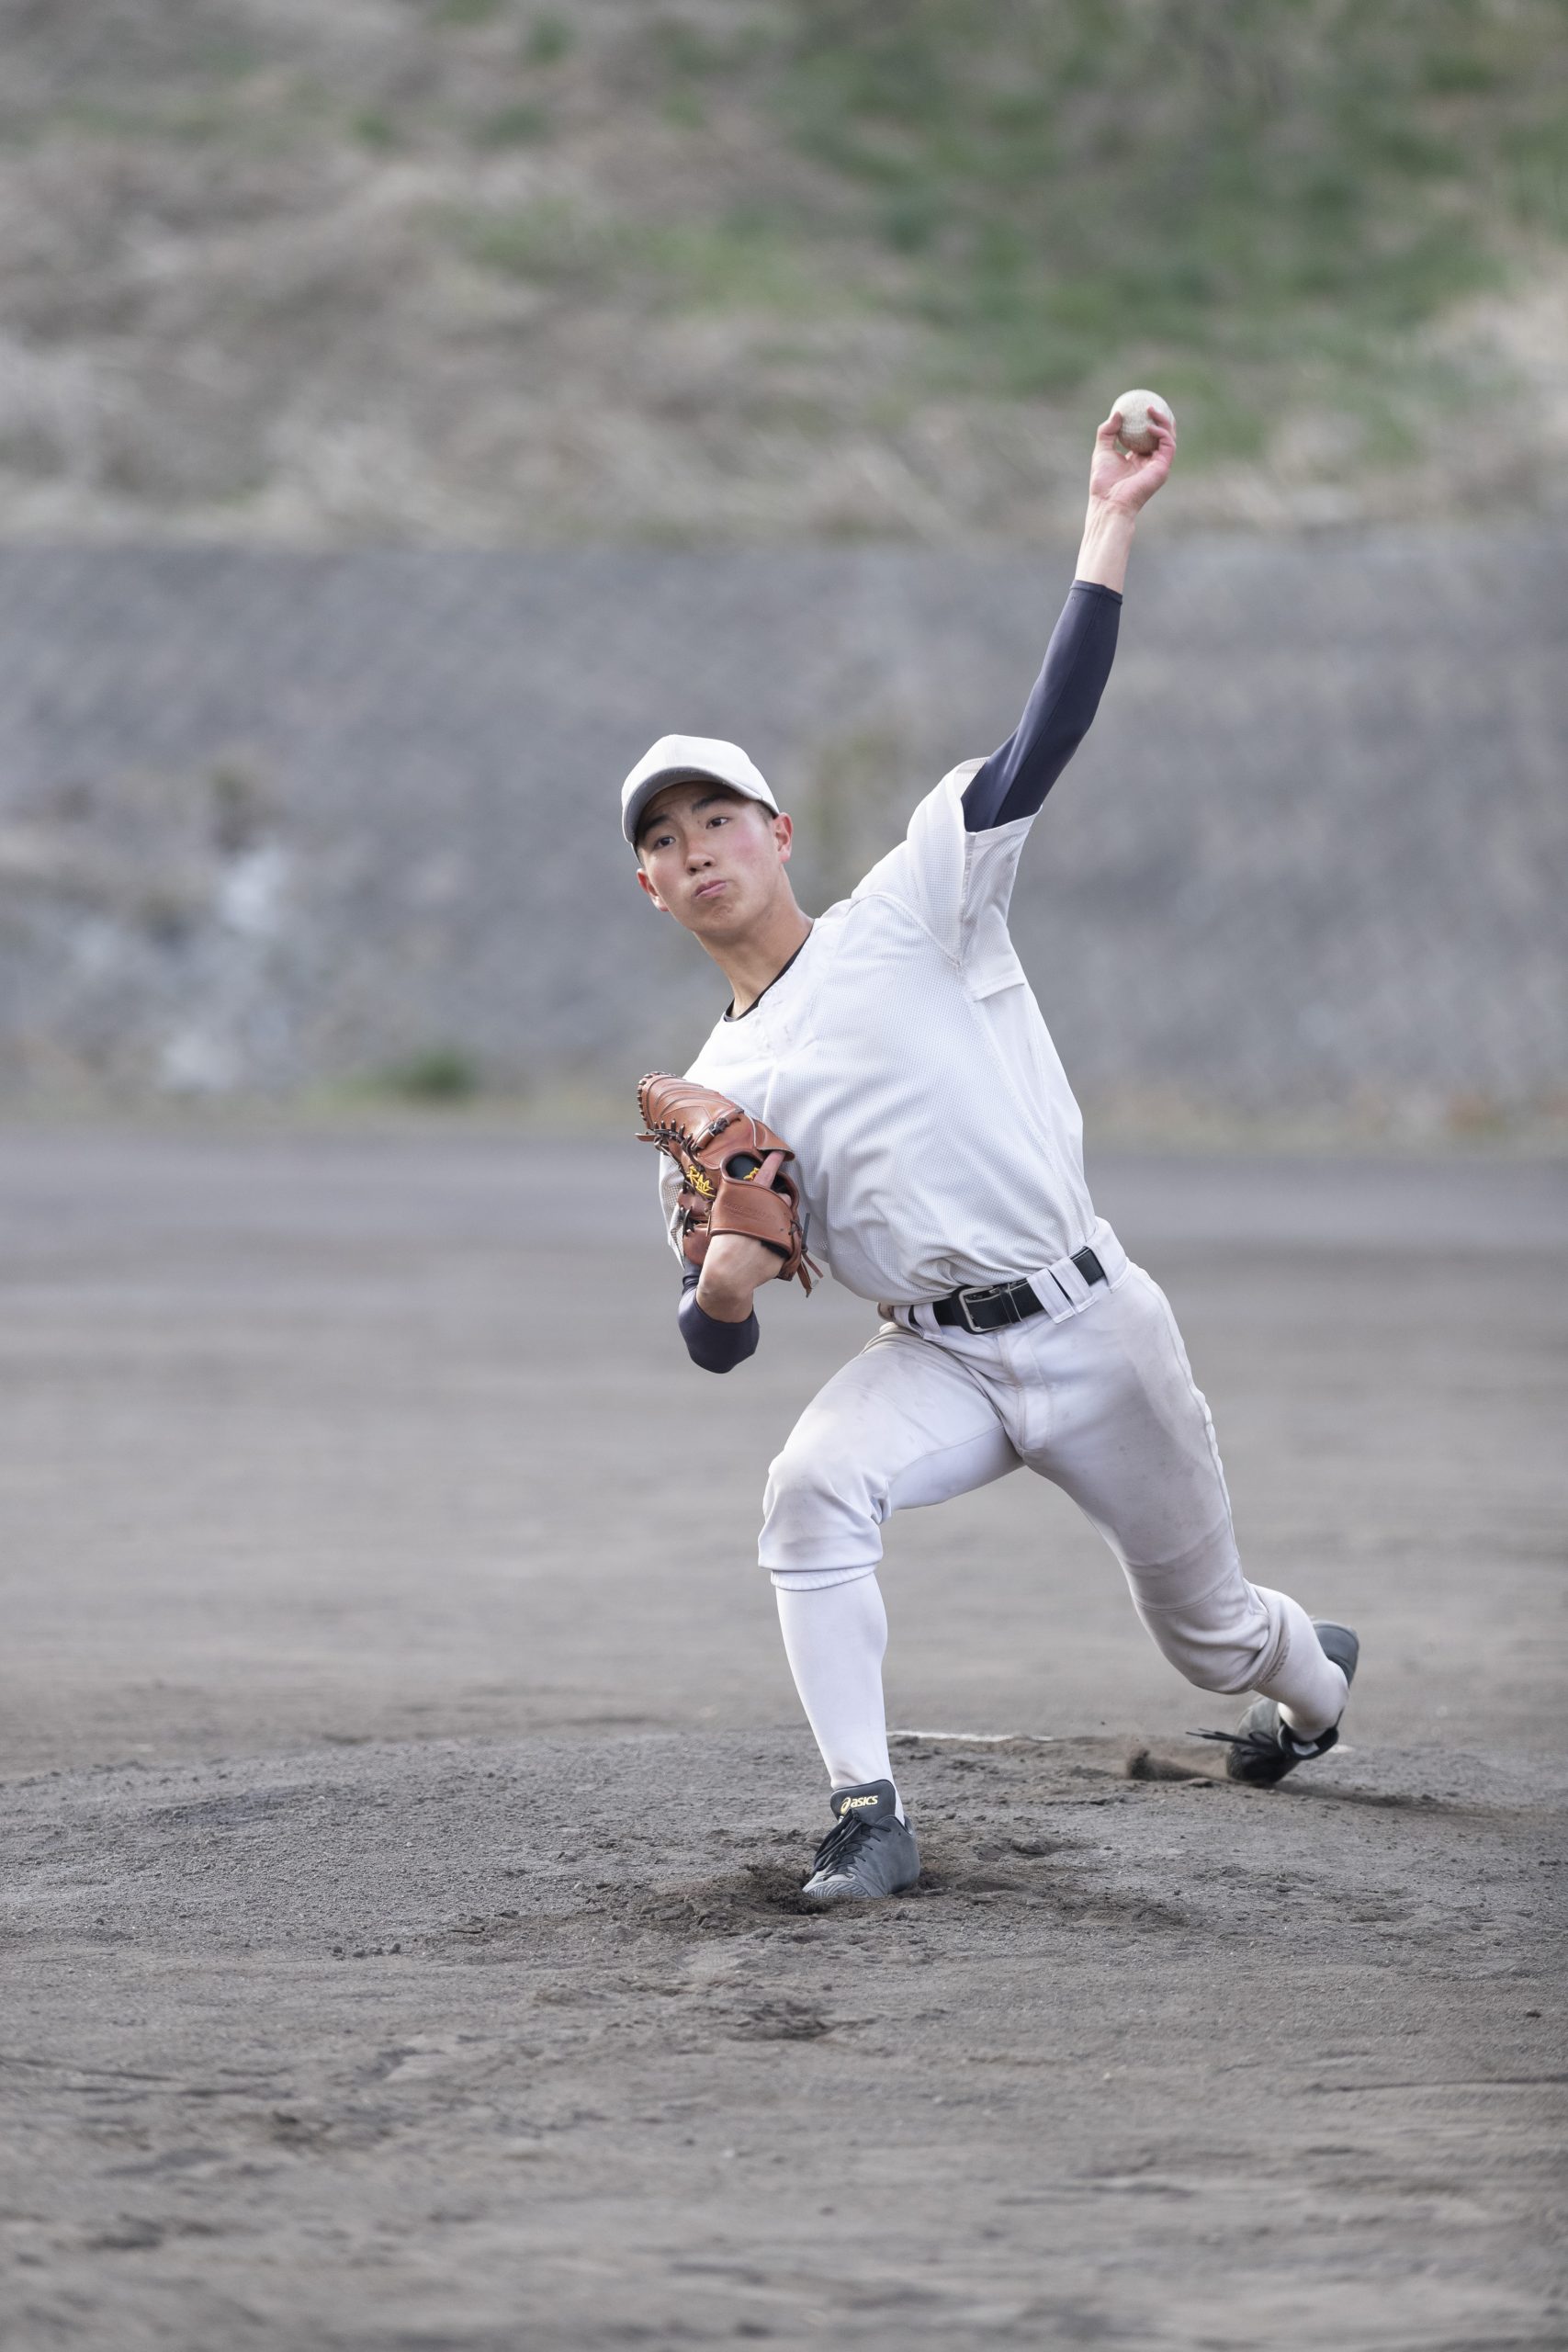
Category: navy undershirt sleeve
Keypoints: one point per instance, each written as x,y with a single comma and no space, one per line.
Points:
717,1347
1014,781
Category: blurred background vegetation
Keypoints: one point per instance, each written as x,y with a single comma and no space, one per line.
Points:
474,269
528,376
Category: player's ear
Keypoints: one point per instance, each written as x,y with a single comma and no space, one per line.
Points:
644,884
784,835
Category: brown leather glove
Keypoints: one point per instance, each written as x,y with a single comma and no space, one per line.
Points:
732,1168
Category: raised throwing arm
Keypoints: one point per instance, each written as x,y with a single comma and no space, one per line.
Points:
1015,780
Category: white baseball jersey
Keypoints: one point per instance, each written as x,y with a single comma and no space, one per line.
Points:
904,1059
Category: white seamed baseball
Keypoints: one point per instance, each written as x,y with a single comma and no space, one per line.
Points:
1137,434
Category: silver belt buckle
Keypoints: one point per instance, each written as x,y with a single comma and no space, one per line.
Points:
991,1290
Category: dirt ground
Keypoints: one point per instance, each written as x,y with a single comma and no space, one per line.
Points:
404,1795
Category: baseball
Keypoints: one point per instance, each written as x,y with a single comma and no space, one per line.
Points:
1137,434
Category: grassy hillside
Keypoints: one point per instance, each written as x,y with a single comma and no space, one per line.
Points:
476,268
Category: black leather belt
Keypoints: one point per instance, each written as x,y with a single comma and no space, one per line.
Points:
1003,1302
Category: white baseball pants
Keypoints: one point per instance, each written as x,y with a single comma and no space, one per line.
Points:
1097,1394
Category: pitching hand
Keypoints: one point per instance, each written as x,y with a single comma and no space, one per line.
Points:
1121,480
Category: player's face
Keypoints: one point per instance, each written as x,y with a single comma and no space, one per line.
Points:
712,858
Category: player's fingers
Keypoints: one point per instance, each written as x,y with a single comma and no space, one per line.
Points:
1105,437
1153,465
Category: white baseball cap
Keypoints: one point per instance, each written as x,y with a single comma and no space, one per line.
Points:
683,759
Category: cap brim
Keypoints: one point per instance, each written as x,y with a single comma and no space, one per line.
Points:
652,785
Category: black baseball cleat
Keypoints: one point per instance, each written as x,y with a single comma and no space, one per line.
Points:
1263,1748
868,1851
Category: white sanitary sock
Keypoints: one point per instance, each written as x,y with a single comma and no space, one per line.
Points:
834,1639
1312,1689
1329,1704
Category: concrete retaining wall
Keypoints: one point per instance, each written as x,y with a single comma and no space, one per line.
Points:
267,819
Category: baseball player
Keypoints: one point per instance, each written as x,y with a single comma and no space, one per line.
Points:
895,1046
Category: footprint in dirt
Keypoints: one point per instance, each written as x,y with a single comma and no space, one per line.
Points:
1025,1872
782,2019
734,1904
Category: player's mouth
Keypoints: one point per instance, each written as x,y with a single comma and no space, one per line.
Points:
710,889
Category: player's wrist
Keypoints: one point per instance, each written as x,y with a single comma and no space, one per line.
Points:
1107,542
725,1302
1108,516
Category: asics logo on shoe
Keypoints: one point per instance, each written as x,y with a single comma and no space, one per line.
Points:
856,1804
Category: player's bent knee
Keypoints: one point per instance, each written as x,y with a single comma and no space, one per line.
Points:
819,1512
815,1478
